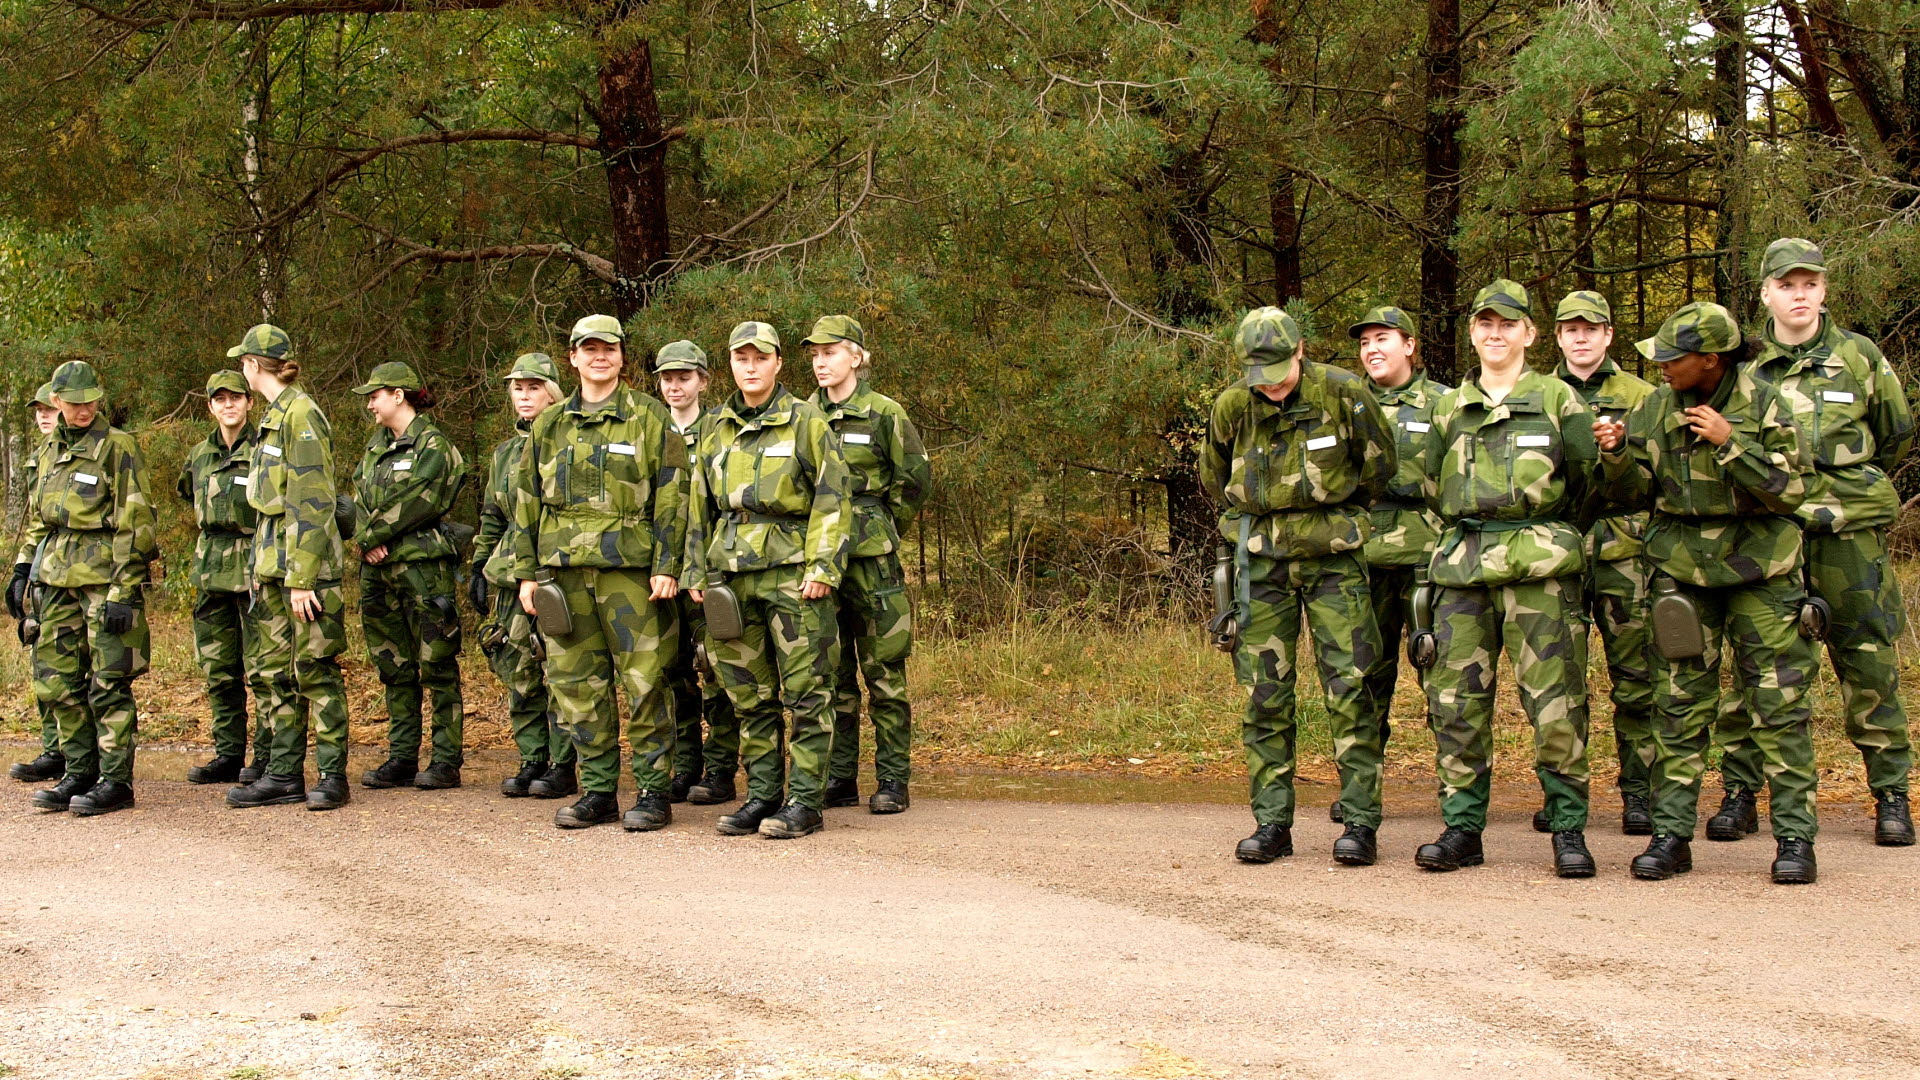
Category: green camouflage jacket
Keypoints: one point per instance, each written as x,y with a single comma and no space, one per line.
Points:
1612,536
1404,530
1722,515
1856,419
602,488
891,472
214,480
296,540
1509,480
1298,476
404,486
769,489
90,505
492,548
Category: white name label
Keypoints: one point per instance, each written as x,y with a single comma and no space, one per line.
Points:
269,450
1836,395
243,481
620,448
1533,440
1322,442
403,466
1417,427
782,450
85,478
859,438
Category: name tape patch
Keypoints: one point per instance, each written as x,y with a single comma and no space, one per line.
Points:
859,438
1841,396
269,449
403,466
1533,440
85,478
1322,442
620,448
784,449
1417,427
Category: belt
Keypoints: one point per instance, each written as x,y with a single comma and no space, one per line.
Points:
226,534
1467,525
1398,504
869,500
749,517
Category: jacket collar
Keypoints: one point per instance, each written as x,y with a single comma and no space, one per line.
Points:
777,411
859,403
619,406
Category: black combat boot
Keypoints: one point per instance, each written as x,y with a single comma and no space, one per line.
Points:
59,795
713,790
746,820
559,782
1335,814
255,770
223,769
1636,817
1665,856
1793,862
681,786
102,798
594,808
1268,842
1892,819
330,793
39,770
269,790
889,798
1454,849
652,810
391,773
1571,859
793,821
1358,846
1541,822
438,776
515,786
842,791
1736,817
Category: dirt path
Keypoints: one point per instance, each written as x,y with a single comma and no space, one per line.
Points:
456,934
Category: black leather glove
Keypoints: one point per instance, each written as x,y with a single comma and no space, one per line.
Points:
477,590
116,618
17,590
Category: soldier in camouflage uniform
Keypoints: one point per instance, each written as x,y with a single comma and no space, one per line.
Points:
1718,457
408,478
1509,463
890,472
600,512
226,636
298,561
703,768
92,512
1296,452
771,520
507,632
49,765
1404,530
1616,573
1858,426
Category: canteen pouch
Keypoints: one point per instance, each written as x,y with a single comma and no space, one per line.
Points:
1224,627
1423,647
1816,618
550,611
346,517
722,609
702,662
457,533
1677,632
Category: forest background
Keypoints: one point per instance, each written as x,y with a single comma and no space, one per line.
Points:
1048,216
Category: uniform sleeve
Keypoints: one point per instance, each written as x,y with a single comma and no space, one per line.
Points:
912,472
830,525
1888,413
1433,453
135,541
669,499
699,516
36,528
421,499
524,491
1582,453
184,487
1378,456
1775,469
307,456
1216,452
1626,473
493,510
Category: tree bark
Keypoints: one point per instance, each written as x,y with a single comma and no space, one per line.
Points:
1578,173
1440,146
633,142
1730,138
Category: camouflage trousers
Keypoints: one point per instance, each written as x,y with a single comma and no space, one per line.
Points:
876,634
226,641
697,696
1774,666
1390,594
1853,573
413,639
300,662
1618,601
1543,627
785,659
85,676
49,728
507,640
620,638
1332,592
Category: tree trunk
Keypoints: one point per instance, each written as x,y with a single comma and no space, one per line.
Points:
1439,259
1578,173
1288,282
1730,138
634,147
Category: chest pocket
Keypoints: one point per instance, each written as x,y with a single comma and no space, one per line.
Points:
778,486
76,495
860,442
1535,451
625,486
1839,434
267,485
1323,461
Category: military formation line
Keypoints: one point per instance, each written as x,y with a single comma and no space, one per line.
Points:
719,569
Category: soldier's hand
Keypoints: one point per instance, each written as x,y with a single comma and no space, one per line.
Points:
306,604
526,596
17,590
699,595
376,556
1707,423
664,587
815,590
1609,434
115,617
477,591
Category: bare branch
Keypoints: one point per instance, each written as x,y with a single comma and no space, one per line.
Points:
1617,197
1113,297
286,9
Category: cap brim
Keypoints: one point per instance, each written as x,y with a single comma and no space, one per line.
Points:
1589,315
759,343
367,388
540,375
599,335
1818,268
78,397
1266,374
678,365
824,339
1504,310
1359,328
1653,350
237,350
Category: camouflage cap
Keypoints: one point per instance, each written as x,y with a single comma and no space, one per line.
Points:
680,355
533,365
758,334
1385,315
1791,253
1700,327
1265,343
1585,305
265,340
601,327
1509,298
228,379
393,374
44,395
831,328
75,383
